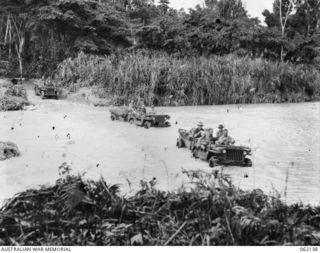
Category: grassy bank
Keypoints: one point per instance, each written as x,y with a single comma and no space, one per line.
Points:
160,79
82,212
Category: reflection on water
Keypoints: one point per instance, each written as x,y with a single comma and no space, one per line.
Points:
284,139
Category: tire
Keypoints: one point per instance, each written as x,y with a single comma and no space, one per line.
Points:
213,162
248,162
180,143
112,117
147,124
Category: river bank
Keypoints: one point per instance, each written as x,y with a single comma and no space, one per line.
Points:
212,212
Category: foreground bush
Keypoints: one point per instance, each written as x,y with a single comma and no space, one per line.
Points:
13,97
160,79
82,212
8,150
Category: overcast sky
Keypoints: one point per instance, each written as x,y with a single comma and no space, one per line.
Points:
254,7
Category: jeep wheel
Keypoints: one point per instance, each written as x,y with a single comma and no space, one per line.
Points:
147,124
112,117
213,162
248,162
180,143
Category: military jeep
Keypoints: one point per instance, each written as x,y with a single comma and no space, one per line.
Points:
120,113
149,120
46,90
224,155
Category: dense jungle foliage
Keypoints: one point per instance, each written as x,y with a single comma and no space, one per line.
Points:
212,211
40,34
36,36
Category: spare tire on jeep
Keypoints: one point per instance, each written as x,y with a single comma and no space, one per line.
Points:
147,124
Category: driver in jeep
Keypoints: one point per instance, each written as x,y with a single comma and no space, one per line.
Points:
225,139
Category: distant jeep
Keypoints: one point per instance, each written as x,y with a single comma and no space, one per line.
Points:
224,155
120,113
46,90
149,120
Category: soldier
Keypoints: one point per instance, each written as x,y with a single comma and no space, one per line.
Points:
152,111
140,107
143,109
131,105
206,139
198,134
220,131
198,131
225,139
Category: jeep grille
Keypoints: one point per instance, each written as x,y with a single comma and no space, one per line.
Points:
235,155
160,119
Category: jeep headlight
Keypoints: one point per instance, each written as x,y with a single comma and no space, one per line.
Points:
224,151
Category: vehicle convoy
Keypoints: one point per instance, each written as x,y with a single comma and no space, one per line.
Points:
214,153
146,120
46,90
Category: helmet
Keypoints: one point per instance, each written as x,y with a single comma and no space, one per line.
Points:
200,124
220,126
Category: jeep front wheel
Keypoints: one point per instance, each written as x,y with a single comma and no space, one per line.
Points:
248,162
180,143
213,162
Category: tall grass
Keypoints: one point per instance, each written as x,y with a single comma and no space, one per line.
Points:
160,79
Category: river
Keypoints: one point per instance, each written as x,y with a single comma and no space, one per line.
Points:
285,139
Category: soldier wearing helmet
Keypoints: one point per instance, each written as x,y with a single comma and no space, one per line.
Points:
219,133
198,131
225,139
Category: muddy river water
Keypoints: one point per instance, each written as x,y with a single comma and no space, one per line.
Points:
285,140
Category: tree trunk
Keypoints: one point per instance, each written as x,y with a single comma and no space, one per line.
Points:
19,54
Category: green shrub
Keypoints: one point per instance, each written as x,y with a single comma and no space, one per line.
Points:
76,211
161,79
